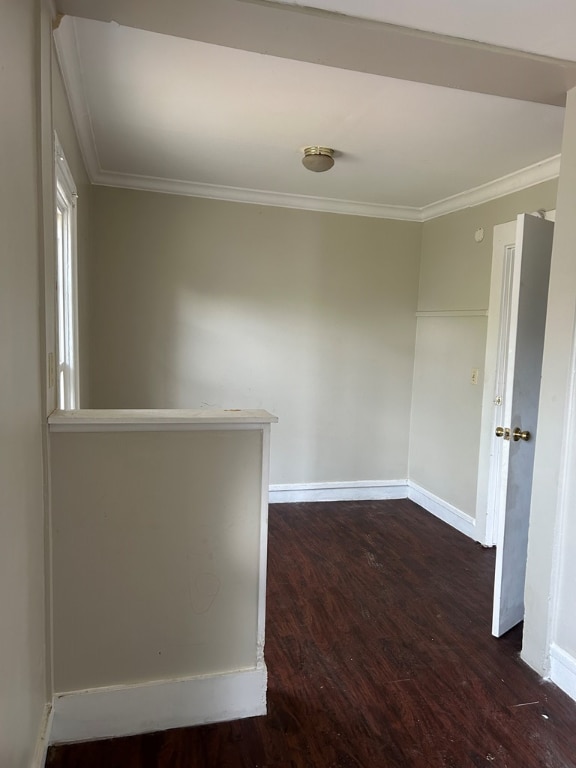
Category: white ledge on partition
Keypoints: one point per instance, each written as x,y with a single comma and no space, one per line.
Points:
150,420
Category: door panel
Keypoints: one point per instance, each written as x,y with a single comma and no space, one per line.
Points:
526,325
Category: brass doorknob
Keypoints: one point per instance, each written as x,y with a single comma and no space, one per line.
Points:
499,431
519,434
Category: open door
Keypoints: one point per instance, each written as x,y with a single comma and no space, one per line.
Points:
525,275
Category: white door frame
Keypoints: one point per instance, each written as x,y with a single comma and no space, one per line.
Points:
494,380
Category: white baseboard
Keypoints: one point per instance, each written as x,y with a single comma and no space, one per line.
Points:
563,670
375,490
442,509
359,490
101,713
41,751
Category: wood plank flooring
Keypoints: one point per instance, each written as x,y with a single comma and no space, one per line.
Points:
379,655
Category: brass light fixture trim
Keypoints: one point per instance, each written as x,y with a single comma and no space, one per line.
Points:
318,159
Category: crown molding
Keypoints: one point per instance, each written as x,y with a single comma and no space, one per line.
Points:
66,45
513,182
255,196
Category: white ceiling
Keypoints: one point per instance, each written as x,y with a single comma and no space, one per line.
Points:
526,25
160,112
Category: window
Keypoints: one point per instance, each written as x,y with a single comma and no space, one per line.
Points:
66,287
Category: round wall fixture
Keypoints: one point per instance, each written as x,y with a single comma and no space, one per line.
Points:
318,159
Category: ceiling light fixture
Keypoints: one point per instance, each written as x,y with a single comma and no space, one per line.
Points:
318,159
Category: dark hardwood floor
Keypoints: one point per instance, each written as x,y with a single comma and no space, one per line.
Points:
379,655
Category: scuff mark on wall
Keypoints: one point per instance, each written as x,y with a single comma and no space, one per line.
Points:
204,589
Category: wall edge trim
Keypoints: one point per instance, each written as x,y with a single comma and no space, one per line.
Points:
124,710
43,740
441,509
563,670
546,170
354,490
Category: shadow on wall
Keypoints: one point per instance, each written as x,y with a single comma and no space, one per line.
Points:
200,303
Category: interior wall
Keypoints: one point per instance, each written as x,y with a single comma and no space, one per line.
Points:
553,514
156,555
451,341
202,303
446,407
22,629
64,127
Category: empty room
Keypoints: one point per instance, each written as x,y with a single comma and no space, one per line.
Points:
289,304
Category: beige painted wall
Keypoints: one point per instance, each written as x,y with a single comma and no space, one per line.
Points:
200,303
64,127
446,407
22,657
445,424
547,540
455,271
156,545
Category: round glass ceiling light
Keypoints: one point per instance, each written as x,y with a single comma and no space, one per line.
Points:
318,159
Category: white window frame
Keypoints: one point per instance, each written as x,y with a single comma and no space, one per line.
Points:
67,359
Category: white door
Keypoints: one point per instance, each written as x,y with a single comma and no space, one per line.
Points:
524,288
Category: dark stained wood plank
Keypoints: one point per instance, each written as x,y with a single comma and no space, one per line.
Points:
379,654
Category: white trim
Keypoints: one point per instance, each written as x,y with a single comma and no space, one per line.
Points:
256,196
157,420
160,427
67,385
40,753
375,490
563,670
359,490
442,510
452,313
64,171
66,45
101,713
513,182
